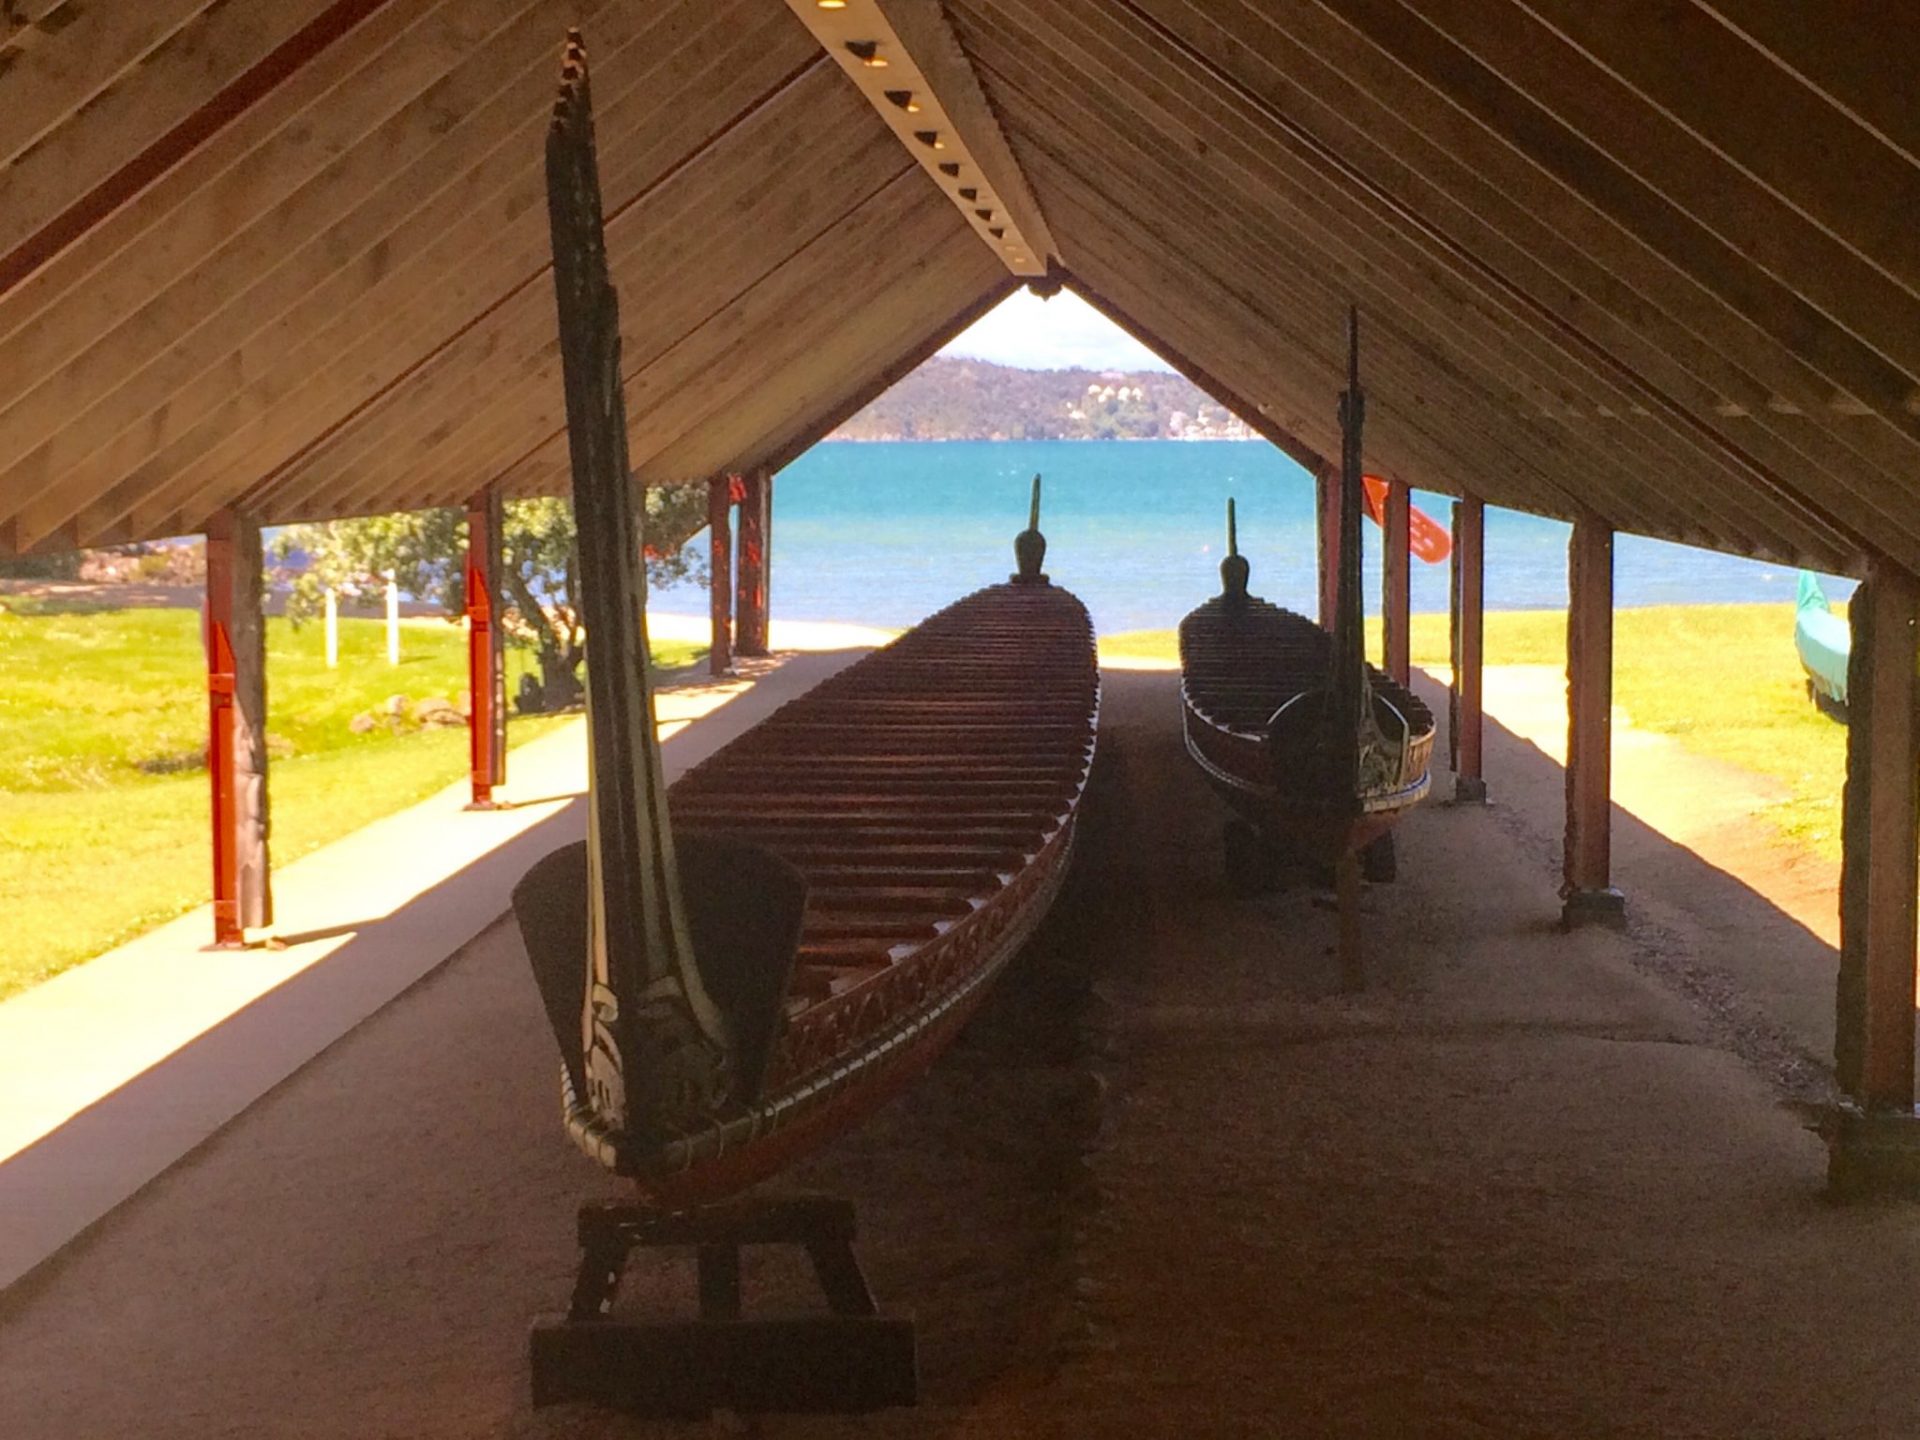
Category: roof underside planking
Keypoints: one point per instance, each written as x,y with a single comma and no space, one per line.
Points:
1651,260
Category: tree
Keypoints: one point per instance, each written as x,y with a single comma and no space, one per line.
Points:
425,552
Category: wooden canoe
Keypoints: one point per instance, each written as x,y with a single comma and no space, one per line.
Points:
1823,642
927,795
739,967
1253,679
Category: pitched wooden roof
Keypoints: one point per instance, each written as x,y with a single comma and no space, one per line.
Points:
1652,259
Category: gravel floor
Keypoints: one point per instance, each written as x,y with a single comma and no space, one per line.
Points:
1170,1183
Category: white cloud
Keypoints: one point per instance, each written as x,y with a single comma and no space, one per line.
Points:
1055,334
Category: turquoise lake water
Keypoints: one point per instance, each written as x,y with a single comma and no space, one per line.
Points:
884,534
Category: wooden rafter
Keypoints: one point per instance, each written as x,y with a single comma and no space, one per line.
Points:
903,57
1355,254
1193,200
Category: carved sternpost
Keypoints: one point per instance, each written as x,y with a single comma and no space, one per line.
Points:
1350,732
1235,572
656,1047
1350,698
1030,546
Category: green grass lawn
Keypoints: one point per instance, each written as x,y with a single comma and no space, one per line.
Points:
1722,680
103,793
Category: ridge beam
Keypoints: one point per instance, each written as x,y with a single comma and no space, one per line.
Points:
904,57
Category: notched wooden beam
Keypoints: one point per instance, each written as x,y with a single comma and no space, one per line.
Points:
903,56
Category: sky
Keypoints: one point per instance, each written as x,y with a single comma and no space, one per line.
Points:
1055,334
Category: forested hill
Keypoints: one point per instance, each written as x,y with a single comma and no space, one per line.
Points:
955,399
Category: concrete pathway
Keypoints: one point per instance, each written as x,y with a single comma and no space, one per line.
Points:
115,1069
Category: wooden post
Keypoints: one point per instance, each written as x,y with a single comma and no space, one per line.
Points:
393,620
1467,731
756,539
1876,1146
235,636
333,629
1327,512
1873,1036
720,573
1588,892
1396,603
486,652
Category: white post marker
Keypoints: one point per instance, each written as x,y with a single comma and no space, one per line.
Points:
393,621
333,629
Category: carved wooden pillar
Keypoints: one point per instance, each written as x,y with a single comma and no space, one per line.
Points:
486,651
756,541
720,572
1327,512
1588,892
235,636
1467,730
1396,601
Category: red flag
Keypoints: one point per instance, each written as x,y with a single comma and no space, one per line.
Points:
1426,537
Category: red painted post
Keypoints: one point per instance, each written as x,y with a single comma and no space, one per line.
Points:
236,728
486,652
720,572
227,930
1396,604
1469,651
1327,511
1587,891
756,537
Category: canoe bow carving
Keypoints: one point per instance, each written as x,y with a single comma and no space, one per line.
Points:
658,1053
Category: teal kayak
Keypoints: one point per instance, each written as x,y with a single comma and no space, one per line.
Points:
1823,640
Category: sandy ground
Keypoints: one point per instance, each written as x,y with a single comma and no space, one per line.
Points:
1169,1184
781,634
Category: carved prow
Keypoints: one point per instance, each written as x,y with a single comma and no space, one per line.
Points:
1030,546
1350,709
1234,570
659,1049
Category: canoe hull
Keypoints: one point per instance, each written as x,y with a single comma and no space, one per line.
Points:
774,1137
931,794
1313,833
1239,669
